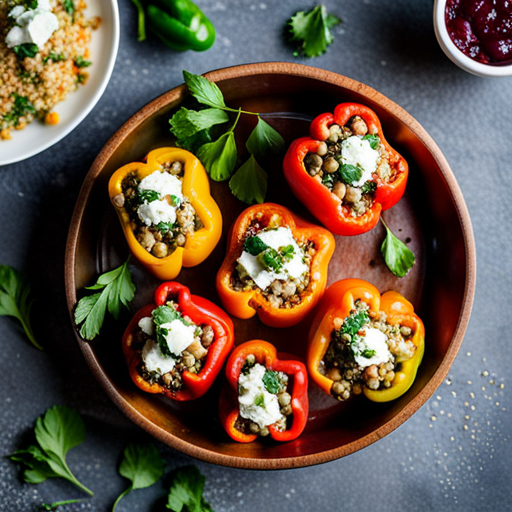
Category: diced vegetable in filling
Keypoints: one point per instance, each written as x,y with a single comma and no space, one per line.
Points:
273,262
349,162
263,399
160,216
365,350
169,344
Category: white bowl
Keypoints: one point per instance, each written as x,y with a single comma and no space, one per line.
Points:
455,55
37,137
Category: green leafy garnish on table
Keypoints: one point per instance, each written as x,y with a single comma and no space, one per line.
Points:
56,433
117,289
311,30
186,492
207,133
398,257
142,465
15,299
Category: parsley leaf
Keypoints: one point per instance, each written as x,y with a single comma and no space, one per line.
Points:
117,289
311,30
249,183
57,432
368,353
164,227
186,492
398,257
353,323
15,299
80,62
264,140
259,401
147,195
165,314
54,57
369,187
141,23
254,245
271,259
187,123
26,50
203,90
350,173
287,252
69,7
219,157
272,382
142,465
374,140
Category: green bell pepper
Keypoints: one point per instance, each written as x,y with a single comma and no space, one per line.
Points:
180,24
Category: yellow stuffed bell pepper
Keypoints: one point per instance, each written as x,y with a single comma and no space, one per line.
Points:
362,342
166,211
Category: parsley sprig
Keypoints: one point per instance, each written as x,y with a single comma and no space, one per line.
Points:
142,465
311,31
15,299
117,289
209,133
56,433
398,257
186,491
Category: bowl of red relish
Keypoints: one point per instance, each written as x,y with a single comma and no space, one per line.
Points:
476,34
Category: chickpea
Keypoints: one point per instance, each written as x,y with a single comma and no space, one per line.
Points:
339,190
334,374
330,165
353,194
160,250
322,149
358,126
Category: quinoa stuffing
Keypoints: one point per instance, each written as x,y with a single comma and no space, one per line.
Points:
365,350
160,216
263,399
349,162
44,52
169,344
274,263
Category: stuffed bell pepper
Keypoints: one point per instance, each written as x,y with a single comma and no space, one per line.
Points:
178,345
167,213
276,265
265,395
346,173
361,342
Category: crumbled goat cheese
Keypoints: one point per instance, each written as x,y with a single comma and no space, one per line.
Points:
155,212
162,182
358,152
32,25
154,360
275,238
251,389
179,336
146,325
375,340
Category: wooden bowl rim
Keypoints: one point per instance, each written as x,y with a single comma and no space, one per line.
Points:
301,71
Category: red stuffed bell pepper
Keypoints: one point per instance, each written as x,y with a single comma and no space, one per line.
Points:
178,345
275,265
346,173
266,395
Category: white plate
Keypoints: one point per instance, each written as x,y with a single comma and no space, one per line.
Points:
37,137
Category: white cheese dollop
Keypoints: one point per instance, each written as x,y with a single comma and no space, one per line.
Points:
155,212
179,336
372,339
358,152
154,360
163,183
275,238
146,325
32,25
250,389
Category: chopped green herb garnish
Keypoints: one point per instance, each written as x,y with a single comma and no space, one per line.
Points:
287,252
353,323
374,140
22,107
368,353
272,381
164,227
80,62
350,173
26,50
81,78
165,314
246,368
54,57
369,187
69,7
271,259
148,196
175,200
259,401
254,245
328,180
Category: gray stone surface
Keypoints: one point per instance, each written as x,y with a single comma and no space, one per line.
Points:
455,453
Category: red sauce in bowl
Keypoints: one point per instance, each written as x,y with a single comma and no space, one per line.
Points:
481,29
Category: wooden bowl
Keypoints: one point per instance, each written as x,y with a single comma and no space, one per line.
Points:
432,217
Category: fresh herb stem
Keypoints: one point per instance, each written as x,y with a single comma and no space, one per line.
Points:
122,495
141,23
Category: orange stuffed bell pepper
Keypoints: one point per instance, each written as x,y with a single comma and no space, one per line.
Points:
168,216
361,342
346,173
276,265
178,345
265,395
